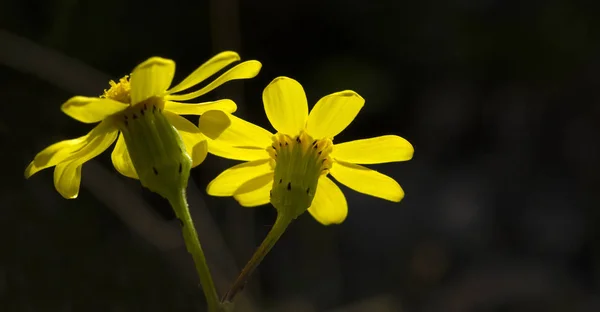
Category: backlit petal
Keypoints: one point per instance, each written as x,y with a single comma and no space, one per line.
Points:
329,205
367,181
232,130
211,67
225,105
67,174
223,150
59,152
383,149
260,194
285,104
193,139
333,113
91,110
151,78
230,180
67,178
121,159
245,70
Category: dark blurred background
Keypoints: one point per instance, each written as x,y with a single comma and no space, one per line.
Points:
499,99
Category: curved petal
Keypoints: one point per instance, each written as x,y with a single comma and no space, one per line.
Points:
91,110
230,180
378,150
259,192
223,150
151,78
245,70
329,205
59,152
211,67
285,105
367,181
67,174
225,105
333,113
121,159
194,141
232,130
67,178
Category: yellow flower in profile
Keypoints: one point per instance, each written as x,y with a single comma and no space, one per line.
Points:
290,168
143,113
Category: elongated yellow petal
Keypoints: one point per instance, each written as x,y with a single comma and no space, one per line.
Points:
367,181
230,180
232,130
223,150
245,70
91,110
329,205
333,113
225,105
286,106
151,78
67,174
260,193
121,159
382,149
59,152
211,67
67,178
194,141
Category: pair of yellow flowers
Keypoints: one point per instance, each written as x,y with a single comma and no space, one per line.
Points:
291,165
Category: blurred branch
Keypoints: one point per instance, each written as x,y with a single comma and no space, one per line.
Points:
116,192
226,35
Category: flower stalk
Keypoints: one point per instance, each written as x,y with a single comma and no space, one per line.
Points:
180,206
281,224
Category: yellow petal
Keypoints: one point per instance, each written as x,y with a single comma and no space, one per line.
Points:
245,70
121,159
333,113
225,105
223,150
230,180
383,149
232,130
67,178
59,152
260,193
212,66
151,78
329,205
91,110
285,105
194,141
367,181
67,174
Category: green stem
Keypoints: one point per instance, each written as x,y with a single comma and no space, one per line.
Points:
281,223
180,205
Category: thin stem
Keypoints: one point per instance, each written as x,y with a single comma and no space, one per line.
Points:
281,223
192,243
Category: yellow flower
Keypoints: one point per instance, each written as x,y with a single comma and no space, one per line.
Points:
290,169
143,113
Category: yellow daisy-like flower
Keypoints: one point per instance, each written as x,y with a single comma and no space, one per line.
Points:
143,113
290,168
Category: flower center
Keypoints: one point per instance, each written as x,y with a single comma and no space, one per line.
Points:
155,147
119,91
298,163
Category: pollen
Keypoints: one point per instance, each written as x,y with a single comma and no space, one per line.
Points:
298,163
119,91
